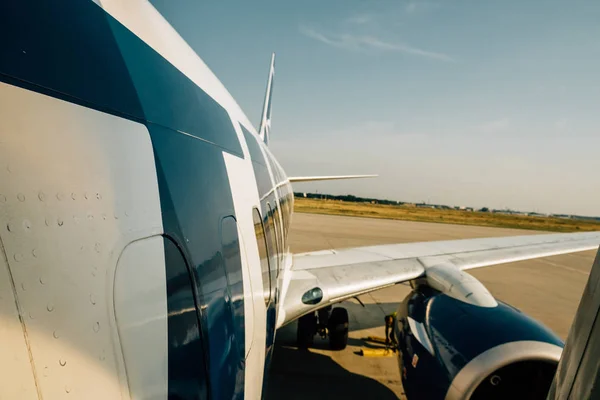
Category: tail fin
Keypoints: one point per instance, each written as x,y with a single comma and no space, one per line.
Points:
265,123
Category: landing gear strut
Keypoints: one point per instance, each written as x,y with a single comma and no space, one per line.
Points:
325,322
338,329
307,327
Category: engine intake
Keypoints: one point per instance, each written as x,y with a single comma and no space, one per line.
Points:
524,368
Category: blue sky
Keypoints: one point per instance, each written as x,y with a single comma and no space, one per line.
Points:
458,102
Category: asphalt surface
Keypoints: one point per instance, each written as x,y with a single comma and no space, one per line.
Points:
548,289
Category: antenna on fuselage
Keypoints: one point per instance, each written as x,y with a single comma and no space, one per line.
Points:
264,130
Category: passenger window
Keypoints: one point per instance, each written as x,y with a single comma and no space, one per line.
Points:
280,237
261,240
283,208
274,227
271,242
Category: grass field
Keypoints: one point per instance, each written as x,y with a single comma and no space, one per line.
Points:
411,213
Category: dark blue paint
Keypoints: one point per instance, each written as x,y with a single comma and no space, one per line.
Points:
259,164
74,50
256,154
458,332
195,197
169,98
67,48
188,378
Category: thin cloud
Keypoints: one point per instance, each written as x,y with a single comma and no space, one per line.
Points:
413,7
495,126
561,123
360,19
362,42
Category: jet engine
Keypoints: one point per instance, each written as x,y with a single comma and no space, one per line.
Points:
452,349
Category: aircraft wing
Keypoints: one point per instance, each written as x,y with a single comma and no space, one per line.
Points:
345,273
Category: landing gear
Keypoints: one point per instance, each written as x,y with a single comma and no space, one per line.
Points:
325,322
338,329
307,327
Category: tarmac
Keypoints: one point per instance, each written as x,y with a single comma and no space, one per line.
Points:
548,289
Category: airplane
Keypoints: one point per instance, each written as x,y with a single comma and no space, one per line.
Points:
144,228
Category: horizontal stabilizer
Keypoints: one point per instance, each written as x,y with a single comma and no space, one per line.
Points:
327,178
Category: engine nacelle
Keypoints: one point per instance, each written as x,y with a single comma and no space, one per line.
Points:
450,349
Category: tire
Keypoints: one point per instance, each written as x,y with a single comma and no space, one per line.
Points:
305,334
338,329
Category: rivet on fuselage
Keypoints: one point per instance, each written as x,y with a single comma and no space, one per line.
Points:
21,197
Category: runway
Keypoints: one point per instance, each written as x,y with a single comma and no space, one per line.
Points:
548,289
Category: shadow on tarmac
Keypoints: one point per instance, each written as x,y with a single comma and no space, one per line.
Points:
305,374
302,374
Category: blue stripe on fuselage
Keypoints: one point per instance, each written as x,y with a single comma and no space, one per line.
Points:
74,50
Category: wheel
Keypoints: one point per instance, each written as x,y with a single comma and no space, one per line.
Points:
338,329
307,327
